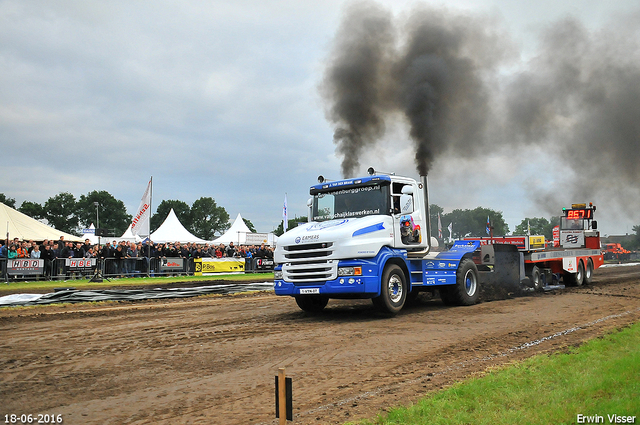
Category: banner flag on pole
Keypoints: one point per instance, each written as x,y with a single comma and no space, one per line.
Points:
439,227
528,228
285,214
488,226
450,227
141,222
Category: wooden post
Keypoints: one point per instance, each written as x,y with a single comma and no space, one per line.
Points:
282,397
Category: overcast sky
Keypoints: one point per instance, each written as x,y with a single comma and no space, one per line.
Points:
221,99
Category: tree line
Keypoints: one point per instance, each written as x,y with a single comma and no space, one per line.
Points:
204,218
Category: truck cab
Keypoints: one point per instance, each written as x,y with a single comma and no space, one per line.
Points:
356,227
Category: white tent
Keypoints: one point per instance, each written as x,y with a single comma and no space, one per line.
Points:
173,231
237,233
23,227
91,235
128,236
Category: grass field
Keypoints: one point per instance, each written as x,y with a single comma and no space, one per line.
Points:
136,281
598,380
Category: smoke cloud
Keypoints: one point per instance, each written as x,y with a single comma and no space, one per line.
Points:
578,98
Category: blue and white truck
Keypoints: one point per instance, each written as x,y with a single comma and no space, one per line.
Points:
369,237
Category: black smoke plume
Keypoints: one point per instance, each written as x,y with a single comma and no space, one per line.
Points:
577,98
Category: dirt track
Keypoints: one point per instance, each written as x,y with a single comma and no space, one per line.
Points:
213,360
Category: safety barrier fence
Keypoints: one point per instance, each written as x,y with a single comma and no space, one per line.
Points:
29,269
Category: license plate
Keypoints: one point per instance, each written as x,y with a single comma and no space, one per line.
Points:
310,290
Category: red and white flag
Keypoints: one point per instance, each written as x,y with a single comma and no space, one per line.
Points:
141,223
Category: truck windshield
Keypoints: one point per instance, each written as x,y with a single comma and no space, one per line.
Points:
572,224
351,202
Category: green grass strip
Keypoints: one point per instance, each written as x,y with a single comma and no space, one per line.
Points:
597,379
136,281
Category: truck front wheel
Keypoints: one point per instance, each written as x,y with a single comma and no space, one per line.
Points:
393,291
312,303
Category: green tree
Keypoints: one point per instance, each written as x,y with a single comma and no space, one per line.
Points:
60,211
249,225
474,222
112,213
10,202
291,223
181,208
635,245
32,209
207,218
539,226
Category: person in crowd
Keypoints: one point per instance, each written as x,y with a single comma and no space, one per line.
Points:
78,250
230,251
88,253
35,252
87,245
119,255
23,250
132,254
12,252
220,251
3,250
67,251
61,243
48,256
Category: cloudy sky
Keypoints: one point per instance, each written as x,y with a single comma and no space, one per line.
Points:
223,99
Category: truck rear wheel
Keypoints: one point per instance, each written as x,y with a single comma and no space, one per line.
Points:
588,272
466,291
574,279
312,303
393,290
536,281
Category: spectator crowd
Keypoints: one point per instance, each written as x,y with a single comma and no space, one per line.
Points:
124,255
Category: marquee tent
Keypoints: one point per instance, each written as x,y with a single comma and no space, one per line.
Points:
23,227
237,234
173,231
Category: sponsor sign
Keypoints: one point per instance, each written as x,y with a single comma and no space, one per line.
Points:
88,231
80,263
569,264
264,264
208,266
556,236
171,264
536,242
25,266
572,238
256,238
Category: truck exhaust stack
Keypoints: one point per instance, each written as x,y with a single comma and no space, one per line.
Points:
425,190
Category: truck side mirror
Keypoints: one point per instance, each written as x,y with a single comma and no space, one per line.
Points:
594,224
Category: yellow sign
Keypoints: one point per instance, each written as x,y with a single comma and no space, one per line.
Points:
536,242
205,266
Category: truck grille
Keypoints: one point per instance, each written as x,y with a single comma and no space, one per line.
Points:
307,264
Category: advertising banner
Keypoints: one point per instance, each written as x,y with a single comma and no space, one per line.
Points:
556,236
263,263
256,238
25,266
208,266
572,238
171,264
80,263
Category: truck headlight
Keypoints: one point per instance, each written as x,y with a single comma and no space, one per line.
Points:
349,271
277,275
